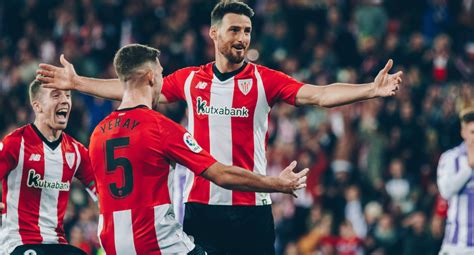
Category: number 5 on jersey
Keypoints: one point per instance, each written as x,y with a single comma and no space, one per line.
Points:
114,163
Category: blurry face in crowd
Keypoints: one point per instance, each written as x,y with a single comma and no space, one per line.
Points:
467,133
53,107
232,36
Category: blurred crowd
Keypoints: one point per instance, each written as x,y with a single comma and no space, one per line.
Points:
372,185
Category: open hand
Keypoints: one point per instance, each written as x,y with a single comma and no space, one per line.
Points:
293,181
57,77
386,84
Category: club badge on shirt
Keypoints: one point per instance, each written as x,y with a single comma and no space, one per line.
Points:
245,85
1,146
70,159
191,143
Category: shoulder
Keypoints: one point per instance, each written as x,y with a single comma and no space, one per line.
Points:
184,72
452,153
16,135
69,139
165,122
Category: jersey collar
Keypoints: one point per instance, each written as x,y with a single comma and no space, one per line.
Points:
225,76
52,145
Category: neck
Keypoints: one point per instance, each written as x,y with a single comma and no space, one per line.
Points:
49,133
224,65
134,96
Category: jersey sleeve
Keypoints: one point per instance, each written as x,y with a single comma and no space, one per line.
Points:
452,174
9,153
182,148
173,85
279,86
85,174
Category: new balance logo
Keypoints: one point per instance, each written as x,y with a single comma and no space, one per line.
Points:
35,157
201,85
203,109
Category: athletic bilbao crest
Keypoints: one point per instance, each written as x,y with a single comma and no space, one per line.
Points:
70,159
245,85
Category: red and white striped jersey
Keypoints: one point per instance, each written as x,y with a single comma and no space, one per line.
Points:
36,176
131,153
230,120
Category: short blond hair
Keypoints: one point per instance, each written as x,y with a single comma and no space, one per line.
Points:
34,90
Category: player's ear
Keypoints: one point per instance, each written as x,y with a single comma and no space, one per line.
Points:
150,76
36,106
213,32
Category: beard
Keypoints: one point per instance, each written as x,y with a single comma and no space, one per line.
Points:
232,57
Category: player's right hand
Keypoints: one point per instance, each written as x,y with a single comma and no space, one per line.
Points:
57,77
293,181
2,206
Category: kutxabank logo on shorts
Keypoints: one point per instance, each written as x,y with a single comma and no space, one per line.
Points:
191,143
34,181
203,109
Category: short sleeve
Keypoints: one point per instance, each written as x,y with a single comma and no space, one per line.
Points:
9,153
85,174
173,85
182,148
279,86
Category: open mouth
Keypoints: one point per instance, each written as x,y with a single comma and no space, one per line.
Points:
238,47
61,114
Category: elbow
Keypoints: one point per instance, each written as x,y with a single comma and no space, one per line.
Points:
224,180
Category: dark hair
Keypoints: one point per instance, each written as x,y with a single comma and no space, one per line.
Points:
34,89
467,117
229,6
132,56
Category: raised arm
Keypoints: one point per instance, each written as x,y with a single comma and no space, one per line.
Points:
66,78
236,178
337,94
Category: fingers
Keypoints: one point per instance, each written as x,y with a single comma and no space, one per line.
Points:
48,67
63,60
291,166
388,66
302,180
45,73
302,173
44,79
301,186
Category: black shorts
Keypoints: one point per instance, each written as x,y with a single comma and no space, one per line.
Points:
47,249
231,230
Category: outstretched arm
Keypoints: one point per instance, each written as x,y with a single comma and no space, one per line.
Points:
236,178
66,78
337,94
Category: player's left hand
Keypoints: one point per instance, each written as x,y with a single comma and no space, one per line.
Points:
293,181
386,84
2,206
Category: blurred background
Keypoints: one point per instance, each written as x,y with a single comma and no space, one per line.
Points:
372,185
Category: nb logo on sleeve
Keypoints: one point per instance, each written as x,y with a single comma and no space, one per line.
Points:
35,157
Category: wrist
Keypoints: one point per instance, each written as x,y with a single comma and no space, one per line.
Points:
372,93
76,82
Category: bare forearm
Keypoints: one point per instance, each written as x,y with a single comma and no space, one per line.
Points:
105,88
236,178
243,180
335,94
